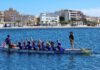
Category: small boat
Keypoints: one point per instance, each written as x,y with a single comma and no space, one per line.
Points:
66,51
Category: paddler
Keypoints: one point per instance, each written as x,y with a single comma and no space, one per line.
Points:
52,45
43,48
29,45
48,46
33,45
19,45
39,44
8,41
59,46
71,38
24,45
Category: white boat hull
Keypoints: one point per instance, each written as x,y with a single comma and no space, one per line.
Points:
66,51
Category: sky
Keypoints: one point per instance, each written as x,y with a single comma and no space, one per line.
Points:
35,7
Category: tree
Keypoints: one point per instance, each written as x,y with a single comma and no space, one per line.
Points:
92,23
62,18
38,21
84,21
18,21
72,21
30,22
64,22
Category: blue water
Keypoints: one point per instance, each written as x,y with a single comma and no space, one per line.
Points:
84,38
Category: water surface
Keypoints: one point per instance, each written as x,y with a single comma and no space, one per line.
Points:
84,38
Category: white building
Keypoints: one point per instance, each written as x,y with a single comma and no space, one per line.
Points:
49,19
1,19
76,16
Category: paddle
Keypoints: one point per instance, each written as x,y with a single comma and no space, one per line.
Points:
86,51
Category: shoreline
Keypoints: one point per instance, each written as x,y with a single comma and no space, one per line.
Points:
45,27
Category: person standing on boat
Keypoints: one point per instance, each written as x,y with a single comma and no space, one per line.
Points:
8,41
71,38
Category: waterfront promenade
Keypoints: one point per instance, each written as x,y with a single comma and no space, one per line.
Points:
50,27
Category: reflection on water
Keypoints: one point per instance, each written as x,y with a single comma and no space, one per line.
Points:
23,61
71,62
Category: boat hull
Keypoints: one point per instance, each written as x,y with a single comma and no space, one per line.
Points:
66,51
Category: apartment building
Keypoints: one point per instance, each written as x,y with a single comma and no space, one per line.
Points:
36,20
94,19
73,15
28,20
11,15
1,16
49,19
